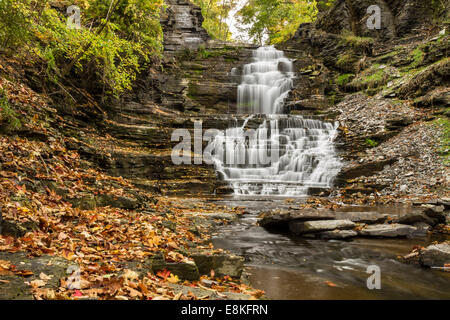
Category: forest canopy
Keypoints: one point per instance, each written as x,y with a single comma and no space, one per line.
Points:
263,21
112,40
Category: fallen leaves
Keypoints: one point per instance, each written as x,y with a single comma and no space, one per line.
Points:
40,177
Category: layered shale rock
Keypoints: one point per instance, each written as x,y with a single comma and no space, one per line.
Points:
182,26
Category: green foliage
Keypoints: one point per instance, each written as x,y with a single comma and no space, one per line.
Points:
417,57
203,53
323,5
116,38
444,127
346,61
15,23
7,114
276,19
371,143
439,7
136,20
349,39
215,13
344,79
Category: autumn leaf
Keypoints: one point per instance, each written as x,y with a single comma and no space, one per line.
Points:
330,284
37,283
163,274
173,278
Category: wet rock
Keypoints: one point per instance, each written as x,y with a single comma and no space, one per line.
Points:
388,230
422,228
283,217
338,234
182,26
299,227
435,212
222,264
436,255
217,216
415,217
211,294
444,202
363,217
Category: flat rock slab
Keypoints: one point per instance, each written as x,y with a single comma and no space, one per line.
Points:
362,217
211,294
222,264
283,217
338,234
436,255
300,227
388,230
13,287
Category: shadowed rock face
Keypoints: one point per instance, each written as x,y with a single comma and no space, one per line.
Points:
399,17
182,26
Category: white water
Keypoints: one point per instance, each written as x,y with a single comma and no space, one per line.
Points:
284,155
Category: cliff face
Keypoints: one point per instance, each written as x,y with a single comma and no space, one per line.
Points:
388,89
398,17
194,82
182,26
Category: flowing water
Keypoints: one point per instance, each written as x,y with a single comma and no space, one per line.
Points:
288,267
274,155
284,155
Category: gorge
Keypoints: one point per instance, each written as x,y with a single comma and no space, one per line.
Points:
332,156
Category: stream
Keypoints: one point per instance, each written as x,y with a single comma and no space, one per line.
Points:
287,267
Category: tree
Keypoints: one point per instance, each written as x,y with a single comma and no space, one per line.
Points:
216,13
274,21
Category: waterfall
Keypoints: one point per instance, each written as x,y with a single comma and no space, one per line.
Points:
282,155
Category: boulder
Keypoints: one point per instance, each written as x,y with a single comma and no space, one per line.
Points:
300,227
435,212
222,264
117,202
415,217
444,202
10,228
388,230
422,228
186,270
436,255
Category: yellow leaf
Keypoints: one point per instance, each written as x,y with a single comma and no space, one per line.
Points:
173,278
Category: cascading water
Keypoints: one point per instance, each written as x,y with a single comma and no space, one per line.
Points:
285,155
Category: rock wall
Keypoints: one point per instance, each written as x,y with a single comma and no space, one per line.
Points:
193,83
399,17
182,26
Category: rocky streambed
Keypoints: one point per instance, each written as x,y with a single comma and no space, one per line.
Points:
319,253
